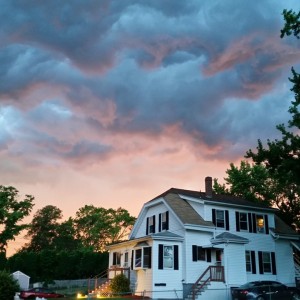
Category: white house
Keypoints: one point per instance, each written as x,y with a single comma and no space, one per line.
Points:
191,244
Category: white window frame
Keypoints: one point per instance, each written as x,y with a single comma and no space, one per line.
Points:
140,264
268,262
248,259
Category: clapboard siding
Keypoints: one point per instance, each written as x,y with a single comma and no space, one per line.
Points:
285,266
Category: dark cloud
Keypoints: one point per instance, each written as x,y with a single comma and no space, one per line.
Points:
85,72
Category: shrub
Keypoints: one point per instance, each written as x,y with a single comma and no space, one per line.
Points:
120,284
8,286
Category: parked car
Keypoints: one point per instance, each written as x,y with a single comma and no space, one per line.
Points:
263,290
39,292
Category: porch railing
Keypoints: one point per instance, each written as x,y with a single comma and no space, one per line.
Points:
212,273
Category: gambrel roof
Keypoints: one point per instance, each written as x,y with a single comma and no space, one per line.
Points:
184,211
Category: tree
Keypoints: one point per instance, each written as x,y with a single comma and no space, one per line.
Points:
275,177
254,182
12,212
65,237
43,228
8,286
97,226
248,181
281,157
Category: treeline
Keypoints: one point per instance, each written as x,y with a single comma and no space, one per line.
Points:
58,249
48,265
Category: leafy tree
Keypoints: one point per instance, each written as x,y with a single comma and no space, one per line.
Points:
65,237
8,286
43,228
97,226
275,177
12,212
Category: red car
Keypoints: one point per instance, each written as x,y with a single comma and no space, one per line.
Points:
39,292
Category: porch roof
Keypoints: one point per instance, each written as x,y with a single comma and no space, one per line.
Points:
227,237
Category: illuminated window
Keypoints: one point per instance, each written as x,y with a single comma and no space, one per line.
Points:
260,224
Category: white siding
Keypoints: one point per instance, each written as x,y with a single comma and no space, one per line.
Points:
235,264
285,263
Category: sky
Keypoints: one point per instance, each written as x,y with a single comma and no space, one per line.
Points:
111,103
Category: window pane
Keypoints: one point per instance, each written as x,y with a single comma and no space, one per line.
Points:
248,261
243,221
126,259
267,262
151,225
138,257
220,220
146,258
260,224
164,221
201,253
168,256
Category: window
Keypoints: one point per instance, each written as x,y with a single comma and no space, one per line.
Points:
138,258
168,257
200,253
147,257
267,263
150,227
143,258
248,262
126,259
243,221
164,221
251,222
116,258
266,259
220,218
260,224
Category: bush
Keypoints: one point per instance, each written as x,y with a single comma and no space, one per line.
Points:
120,284
8,286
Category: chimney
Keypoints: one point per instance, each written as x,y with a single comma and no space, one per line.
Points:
208,187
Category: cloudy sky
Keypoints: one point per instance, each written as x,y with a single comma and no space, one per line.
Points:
111,103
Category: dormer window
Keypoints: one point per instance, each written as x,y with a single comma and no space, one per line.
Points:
150,226
164,221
